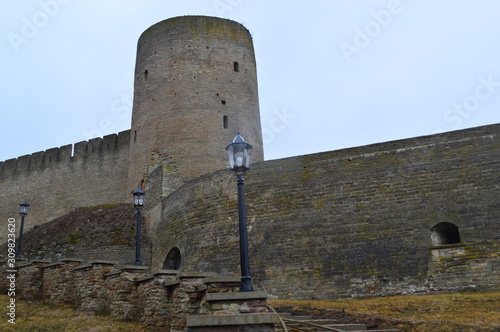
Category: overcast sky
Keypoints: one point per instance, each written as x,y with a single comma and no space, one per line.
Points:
332,74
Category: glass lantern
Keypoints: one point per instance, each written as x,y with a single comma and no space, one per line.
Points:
23,210
239,152
138,197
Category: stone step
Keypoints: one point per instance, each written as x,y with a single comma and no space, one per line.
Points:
319,325
236,319
295,323
349,327
303,328
322,321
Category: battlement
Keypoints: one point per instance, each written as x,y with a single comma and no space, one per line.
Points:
71,174
81,151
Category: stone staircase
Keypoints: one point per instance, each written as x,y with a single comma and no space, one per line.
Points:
307,323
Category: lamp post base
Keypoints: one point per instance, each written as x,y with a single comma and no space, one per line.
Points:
246,284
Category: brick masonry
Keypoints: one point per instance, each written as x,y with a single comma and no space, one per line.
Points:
190,99
60,180
345,223
353,222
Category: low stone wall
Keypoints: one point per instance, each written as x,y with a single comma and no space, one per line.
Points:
466,266
166,300
31,279
58,281
156,291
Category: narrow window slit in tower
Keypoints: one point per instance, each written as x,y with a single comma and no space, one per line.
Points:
224,121
146,74
135,135
236,66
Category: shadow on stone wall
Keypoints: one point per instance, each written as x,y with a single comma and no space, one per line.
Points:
104,231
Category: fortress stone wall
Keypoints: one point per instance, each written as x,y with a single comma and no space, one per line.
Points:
402,217
59,180
373,220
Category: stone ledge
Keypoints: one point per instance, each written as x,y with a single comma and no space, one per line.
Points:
98,262
221,280
196,274
253,295
83,267
224,320
142,279
41,261
71,260
112,274
166,272
51,265
134,268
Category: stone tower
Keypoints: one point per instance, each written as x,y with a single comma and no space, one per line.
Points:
195,87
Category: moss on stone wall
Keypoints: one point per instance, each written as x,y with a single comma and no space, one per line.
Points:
345,223
97,229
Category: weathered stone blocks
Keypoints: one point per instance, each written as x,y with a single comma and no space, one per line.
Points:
348,223
162,301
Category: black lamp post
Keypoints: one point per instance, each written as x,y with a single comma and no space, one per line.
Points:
239,161
138,204
23,210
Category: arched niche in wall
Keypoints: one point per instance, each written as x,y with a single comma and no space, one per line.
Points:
173,261
445,233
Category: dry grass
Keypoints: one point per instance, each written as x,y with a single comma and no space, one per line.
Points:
472,312
31,316
445,312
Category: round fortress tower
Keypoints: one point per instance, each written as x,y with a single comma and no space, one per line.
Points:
195,88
